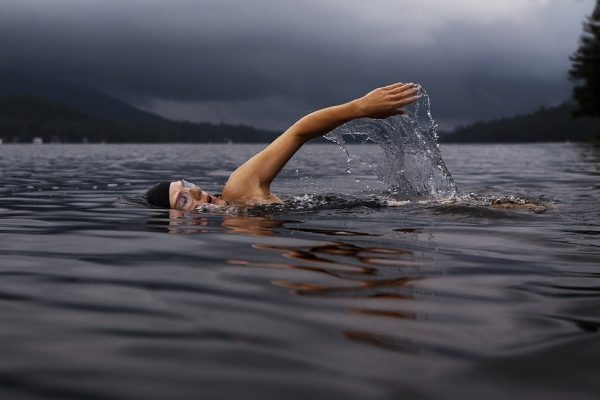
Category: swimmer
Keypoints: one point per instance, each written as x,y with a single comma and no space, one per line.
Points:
250,184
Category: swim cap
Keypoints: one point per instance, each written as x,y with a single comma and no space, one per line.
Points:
158,195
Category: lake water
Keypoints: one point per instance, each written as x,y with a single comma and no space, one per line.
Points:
337,297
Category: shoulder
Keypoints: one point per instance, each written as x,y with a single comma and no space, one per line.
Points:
248,198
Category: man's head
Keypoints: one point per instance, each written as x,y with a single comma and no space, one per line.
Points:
180,195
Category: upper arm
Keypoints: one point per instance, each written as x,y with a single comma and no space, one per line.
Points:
253,178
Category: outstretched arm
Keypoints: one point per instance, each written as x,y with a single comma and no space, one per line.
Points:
252,180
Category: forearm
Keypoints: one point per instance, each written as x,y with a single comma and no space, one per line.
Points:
254,177
324,121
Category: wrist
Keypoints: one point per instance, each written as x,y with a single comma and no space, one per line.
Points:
356,108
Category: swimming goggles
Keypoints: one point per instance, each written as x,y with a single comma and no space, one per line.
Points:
187,184
184,198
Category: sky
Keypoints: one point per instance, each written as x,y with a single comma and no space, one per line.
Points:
266,63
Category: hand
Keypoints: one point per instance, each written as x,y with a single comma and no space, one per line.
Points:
388,100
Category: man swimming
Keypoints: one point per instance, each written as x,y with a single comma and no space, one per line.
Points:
250,183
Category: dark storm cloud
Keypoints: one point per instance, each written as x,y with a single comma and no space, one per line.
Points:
265,62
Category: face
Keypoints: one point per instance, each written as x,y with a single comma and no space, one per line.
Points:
186,196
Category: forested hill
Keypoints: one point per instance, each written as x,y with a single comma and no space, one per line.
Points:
63,112
555,124
23,118
88,101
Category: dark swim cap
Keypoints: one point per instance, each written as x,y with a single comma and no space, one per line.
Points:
158,195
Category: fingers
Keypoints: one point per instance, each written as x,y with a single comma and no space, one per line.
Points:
403,103
409,88
395,85
408,100
399,87
405,94
405,98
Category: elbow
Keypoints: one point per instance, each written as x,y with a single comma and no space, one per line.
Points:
299,133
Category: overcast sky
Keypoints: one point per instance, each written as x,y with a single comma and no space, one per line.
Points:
268,62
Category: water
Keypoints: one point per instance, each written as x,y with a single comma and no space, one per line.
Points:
336,296
407,159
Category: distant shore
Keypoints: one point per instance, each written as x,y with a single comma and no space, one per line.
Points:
34,119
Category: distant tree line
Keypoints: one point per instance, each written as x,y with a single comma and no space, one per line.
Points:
585,70
23,118
554,124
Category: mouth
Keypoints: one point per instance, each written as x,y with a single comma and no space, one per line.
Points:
210,198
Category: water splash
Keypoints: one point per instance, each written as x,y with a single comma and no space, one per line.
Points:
468,205
411,166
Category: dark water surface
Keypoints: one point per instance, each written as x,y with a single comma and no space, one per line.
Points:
337,297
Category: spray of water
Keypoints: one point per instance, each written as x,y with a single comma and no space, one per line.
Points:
411,165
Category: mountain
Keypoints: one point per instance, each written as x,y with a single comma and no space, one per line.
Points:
555,124
58,111
23,118
88,101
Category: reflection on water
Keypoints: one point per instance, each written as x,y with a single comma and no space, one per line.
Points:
355,266
191,222
352,271
356,273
